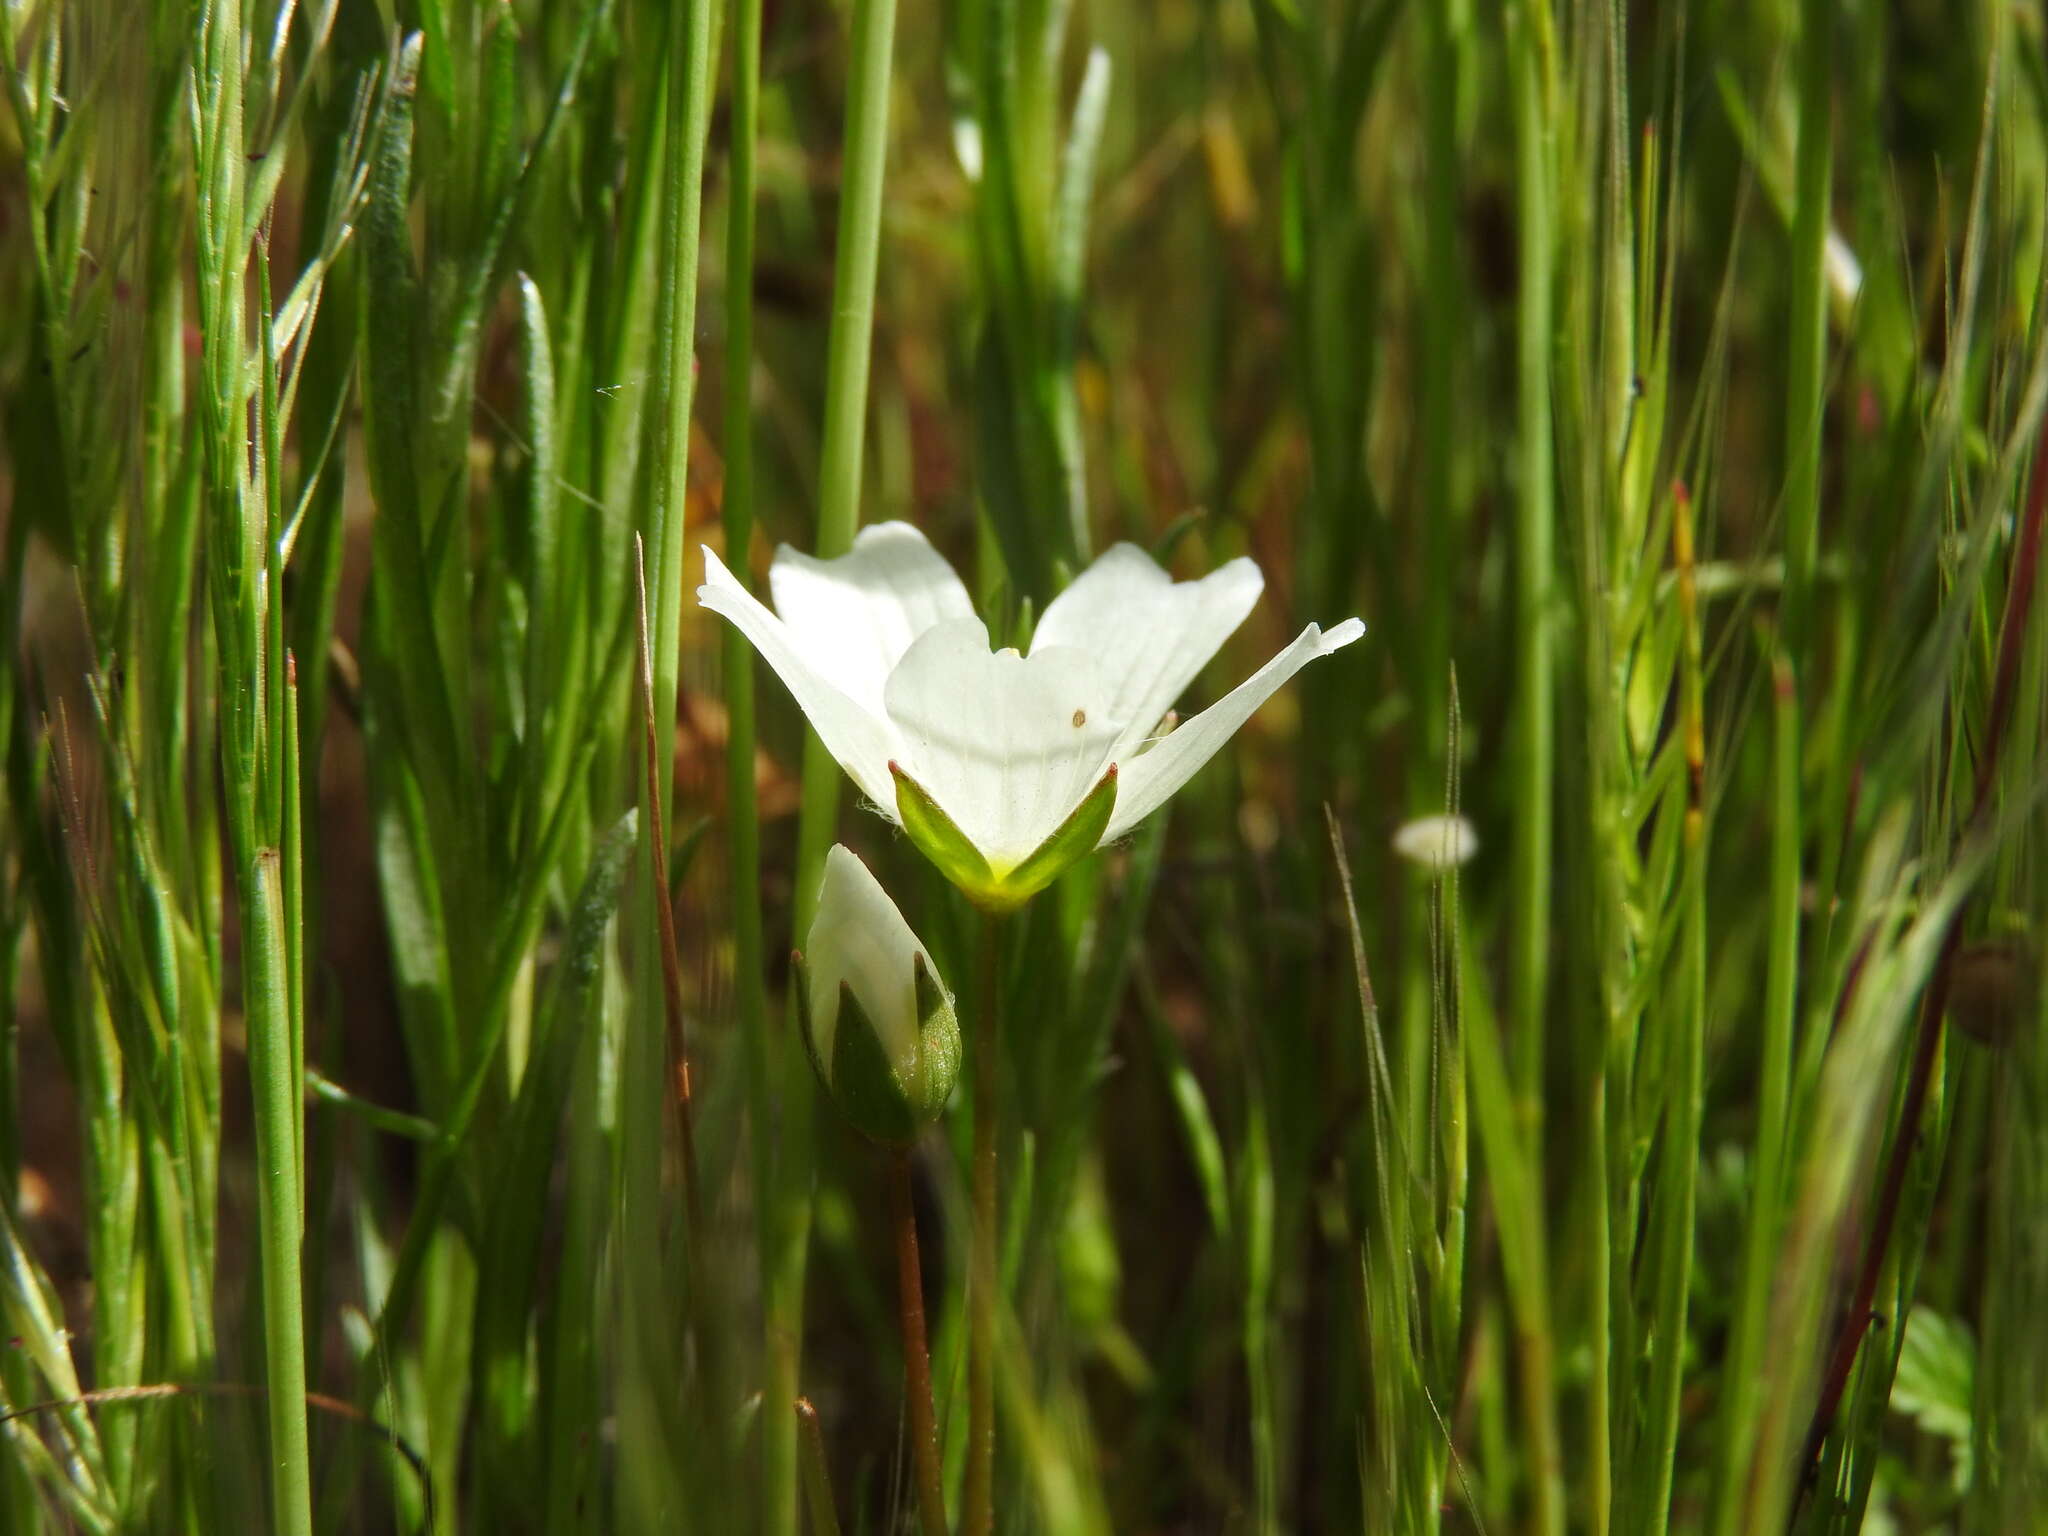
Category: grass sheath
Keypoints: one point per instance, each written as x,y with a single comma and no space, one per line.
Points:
665,921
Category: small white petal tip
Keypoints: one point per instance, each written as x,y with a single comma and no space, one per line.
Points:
1341,635
1437,843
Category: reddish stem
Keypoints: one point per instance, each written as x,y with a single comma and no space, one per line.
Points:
917,1360
1855,1322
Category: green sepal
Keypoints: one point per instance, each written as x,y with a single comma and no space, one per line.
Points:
940,839
938,1044
1074,840
881,1102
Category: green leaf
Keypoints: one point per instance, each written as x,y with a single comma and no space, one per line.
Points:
514,1220
1935,1385
391,297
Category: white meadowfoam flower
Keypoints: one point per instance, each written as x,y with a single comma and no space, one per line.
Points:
1437,843
1005,768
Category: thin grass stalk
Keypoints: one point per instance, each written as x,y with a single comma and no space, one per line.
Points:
847,356
658,1453
1535,540
13,931
977,1499
917,1361
1516,1201
781,1164
1805,388
1444,324
737,507
1805,382
675,379
243,536
656,761
848,351
277,1100
1678,1158
1531,45
778,1182
1774,1086
1256,1231
1628,413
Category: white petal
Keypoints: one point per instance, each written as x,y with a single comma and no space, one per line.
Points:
853,617
1149,634
859,936
860,739
1008,746
1145,782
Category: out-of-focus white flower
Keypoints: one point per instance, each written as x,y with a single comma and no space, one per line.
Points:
1437,843
1005,768
877,1021
1843,271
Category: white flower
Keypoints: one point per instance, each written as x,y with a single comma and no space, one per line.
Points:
1005,768
877,1021
1437,843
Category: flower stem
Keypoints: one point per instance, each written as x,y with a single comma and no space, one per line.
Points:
977,1503
917,1360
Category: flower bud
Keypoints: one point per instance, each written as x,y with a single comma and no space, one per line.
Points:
877,1021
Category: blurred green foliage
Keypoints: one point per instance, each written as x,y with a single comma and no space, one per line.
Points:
1664,384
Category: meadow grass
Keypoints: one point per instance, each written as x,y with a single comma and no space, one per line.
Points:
403,1121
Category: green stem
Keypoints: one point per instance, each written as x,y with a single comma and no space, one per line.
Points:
1678,1159
1445,325
846,402
1532,59
1535,517
657,1457
1774,1078
1600,1306
275,1100
1806,380
243,531
848,350
779,1173
977,1502
847,355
